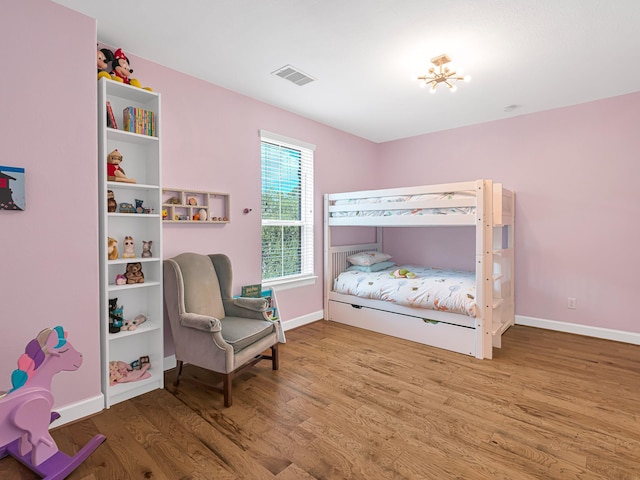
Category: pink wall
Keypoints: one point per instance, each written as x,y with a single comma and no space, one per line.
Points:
574,171
49,252
211,142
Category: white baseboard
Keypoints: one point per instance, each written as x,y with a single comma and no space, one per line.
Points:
76,411
169,362
303,320
586,330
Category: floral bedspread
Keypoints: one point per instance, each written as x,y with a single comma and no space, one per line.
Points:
434,289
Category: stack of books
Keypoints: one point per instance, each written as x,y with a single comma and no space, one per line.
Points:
138,120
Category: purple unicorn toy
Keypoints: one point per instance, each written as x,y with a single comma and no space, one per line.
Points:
25,411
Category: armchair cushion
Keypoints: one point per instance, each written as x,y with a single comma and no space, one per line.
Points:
242,332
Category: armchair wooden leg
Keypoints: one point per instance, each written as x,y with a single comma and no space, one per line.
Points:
275,361
177,382
227,382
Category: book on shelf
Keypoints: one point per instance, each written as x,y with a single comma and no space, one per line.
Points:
111,119
270,296
139,120
256,291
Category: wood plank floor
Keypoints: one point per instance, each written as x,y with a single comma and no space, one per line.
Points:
352,404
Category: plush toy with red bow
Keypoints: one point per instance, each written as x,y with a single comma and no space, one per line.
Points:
121,70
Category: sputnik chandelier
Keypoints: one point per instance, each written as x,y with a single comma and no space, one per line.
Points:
441,75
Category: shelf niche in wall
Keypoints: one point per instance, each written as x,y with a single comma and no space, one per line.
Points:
191,206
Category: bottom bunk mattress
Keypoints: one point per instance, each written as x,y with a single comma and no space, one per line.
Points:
428,288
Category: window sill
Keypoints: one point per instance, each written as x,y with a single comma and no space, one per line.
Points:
279,285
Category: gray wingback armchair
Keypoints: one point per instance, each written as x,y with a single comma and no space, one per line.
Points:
210,328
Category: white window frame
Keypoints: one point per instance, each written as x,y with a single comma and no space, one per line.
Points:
307,276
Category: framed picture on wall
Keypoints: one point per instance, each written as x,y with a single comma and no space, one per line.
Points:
12,188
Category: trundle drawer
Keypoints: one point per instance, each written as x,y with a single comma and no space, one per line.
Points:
441,335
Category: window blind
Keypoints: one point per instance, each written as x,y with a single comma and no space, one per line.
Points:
287,207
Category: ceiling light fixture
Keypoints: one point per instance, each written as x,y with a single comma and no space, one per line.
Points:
442,75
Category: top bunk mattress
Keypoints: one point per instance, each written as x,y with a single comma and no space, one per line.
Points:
431,288
445,203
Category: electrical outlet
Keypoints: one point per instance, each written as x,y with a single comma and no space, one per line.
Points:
571,303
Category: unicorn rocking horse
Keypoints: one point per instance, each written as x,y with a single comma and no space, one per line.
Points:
25,410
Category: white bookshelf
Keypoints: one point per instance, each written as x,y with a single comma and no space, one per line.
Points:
142,162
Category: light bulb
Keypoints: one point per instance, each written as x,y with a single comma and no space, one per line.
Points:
453,88
467,78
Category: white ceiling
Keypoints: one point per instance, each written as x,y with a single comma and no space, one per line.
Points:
537,54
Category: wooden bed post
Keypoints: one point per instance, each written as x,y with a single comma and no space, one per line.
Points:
484,270
327,257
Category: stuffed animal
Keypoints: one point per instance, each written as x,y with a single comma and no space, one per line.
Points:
139,207
134,273
105,57
146,249
127,208
112,248
403,273
121,279
114,172
129,248
121,70
133,323
115,316
112,205
122,372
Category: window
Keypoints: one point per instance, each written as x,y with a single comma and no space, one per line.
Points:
287,209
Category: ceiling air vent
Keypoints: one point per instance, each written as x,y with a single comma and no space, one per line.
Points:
293,75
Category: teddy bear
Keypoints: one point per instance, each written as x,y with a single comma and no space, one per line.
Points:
112,205
129,247
112,248
134,273
114,172
146,248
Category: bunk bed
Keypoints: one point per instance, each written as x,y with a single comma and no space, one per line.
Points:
471,328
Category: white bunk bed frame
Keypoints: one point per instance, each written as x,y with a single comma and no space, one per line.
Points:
493,219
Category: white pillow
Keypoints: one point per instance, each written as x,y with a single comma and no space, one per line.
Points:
366,259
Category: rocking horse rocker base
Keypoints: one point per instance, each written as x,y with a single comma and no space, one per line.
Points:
25,411
59,465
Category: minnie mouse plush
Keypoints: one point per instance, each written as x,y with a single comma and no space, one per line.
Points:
121,70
